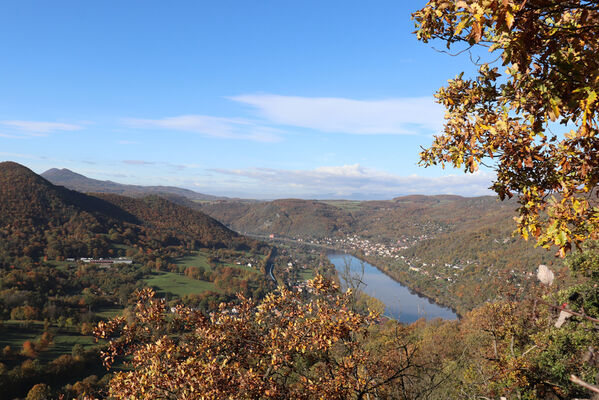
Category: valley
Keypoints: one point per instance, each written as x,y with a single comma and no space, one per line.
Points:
69,260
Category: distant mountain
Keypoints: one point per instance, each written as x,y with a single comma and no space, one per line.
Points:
380,219
38,218
72,180
287,217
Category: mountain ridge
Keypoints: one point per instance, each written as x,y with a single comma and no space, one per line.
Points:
75,181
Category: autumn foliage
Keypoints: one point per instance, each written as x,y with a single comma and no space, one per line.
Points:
290,346
532,110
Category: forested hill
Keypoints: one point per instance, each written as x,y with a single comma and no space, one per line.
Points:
392,219
72,180
287,217
39,219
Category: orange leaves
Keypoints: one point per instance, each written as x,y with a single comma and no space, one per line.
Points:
291,345
551,54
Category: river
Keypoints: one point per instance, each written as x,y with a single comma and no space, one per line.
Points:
400,303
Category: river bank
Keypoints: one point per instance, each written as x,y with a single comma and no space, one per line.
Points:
433,292
400,302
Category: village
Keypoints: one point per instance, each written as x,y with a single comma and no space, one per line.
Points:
392,253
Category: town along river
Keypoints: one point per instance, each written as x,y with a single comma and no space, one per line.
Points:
400,303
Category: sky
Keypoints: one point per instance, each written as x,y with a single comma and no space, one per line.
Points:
260,99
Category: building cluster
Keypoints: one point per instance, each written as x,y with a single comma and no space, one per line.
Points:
105,261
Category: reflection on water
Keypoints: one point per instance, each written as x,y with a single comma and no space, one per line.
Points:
399,302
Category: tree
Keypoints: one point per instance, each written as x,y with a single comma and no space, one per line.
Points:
291,345
41,391
536,122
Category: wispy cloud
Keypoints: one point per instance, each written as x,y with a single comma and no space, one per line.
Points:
138,162
230,128
398,116
160,164
349,180
39,127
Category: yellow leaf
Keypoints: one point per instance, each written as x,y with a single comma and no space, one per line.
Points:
461,26
509,19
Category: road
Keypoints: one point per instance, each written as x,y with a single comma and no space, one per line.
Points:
269,269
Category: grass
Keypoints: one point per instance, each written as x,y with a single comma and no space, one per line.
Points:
14,333
63,344
306,274
62,265
198,259
108,312
243,267
178,285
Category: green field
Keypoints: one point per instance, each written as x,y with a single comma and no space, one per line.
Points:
178,285
198,259
306,274
108,312
14,333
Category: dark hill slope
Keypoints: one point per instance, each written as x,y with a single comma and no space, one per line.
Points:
72,180
25,197
39,219
159,213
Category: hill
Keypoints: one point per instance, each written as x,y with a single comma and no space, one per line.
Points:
72,180
38,218
381,220
286,217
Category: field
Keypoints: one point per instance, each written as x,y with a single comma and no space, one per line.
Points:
306,274
62,265
196,260
14,333
178,285
108,312
200,259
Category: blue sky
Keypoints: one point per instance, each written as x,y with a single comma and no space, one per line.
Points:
261,99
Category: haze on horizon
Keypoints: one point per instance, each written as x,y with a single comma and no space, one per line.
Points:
260,100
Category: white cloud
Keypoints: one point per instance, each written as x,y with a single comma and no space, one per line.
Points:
37,127
355,180
398,116
232,128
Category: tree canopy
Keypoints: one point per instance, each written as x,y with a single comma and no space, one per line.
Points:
290,346
531,113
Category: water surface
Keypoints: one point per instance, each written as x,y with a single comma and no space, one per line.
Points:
400,302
